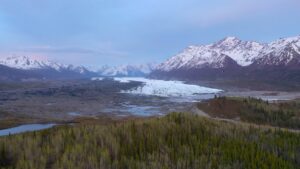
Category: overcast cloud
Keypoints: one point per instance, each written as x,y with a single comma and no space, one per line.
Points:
97,32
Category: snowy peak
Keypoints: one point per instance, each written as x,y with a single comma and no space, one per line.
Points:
282,52
37,63
28,63
283,42
244,53
127,70
227,43
283,56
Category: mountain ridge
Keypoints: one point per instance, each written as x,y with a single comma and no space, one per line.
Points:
33,67
244,53
277,61
126,70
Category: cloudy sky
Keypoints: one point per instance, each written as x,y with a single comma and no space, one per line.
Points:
98,32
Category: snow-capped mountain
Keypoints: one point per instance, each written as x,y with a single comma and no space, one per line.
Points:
36,63
127,70
282,52
237,60
40,68
28,63
244,53
213,55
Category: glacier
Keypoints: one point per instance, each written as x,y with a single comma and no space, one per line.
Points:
165,88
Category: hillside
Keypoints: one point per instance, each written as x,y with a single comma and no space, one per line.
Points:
175,141
282,114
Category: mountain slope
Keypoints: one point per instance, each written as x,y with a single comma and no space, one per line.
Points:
286,53
12,74
234,58
212,55
29,63
127,70
41,68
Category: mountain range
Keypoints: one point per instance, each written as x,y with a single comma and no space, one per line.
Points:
32,67
227,59
140,70
232,58
25,67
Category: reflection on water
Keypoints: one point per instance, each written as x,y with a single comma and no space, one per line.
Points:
25,128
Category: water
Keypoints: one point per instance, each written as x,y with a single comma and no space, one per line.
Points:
74,114
25,128
136,110
142,110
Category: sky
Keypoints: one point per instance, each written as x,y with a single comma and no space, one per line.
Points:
113,32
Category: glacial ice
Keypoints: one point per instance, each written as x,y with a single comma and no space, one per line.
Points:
165,88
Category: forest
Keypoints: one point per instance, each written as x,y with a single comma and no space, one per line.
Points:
285,114
177,140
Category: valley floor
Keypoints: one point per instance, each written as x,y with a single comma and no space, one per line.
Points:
102,127
66,101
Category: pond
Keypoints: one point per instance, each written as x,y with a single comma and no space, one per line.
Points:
25,128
